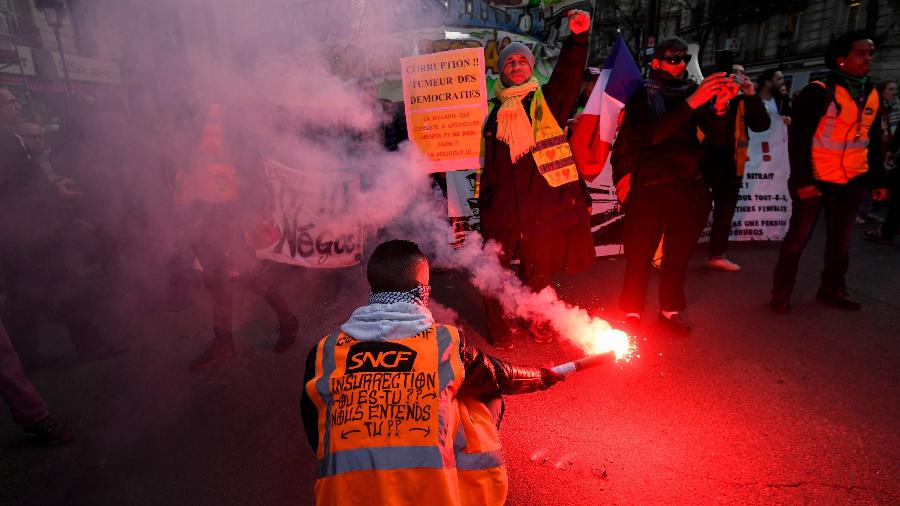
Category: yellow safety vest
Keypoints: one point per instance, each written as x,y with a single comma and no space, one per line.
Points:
387,419
211,175
840,144
551,152
479,464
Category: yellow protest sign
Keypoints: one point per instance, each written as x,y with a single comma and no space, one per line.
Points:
446,102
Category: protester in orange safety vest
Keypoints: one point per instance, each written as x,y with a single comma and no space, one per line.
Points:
831,164
396,406
222,230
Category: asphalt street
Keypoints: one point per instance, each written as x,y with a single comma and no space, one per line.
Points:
752,408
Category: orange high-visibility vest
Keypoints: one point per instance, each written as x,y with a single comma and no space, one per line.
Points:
479,464
741,139
551,152
840,144
211,175
387,419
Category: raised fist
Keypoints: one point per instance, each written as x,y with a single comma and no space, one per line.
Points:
579,21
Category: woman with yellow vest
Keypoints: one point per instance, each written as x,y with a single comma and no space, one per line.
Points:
831,164
398,408
530,197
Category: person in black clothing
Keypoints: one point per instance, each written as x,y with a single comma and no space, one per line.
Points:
28,408
723,169
656,169
44,270
532,204
891,226
833,143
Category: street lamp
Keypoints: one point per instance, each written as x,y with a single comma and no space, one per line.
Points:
54,11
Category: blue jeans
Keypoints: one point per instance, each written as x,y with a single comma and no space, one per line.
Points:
841,204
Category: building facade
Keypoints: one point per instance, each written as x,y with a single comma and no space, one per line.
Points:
788,34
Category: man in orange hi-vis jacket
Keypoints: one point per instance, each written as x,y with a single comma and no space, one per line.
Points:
402,410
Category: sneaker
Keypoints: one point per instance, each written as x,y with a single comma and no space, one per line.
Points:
780,304
839,299
722,264
877,236
632,325
676,323
287,333
219,350
50,430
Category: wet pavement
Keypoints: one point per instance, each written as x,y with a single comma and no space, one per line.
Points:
752,408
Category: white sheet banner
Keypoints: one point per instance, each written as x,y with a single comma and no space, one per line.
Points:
764,205
607,220
307,208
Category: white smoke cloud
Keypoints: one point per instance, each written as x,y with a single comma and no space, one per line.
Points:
272,58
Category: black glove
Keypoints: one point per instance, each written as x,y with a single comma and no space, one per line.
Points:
549,377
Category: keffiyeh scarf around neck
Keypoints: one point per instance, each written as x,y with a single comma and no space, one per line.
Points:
418,296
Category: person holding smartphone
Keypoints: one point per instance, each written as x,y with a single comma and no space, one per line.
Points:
723,166
656,169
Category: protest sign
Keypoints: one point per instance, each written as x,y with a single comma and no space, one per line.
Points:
446,103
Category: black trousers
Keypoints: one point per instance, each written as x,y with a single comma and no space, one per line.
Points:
215,235
841,204
725,190
675,212
892,221
51,280
541,256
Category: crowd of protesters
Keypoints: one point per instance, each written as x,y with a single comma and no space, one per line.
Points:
67,217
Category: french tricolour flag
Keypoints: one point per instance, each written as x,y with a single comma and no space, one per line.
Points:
595,130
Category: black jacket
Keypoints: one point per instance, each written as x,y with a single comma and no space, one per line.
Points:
32,214
809,108
486,377
665,149
720,160
515,197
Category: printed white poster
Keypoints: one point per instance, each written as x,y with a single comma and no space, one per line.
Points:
764,205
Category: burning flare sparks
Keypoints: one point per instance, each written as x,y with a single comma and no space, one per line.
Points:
598,337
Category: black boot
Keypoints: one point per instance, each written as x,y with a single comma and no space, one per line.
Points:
838,298
780,304
221,349
676,323
288,325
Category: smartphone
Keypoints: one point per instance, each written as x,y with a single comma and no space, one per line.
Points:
724,61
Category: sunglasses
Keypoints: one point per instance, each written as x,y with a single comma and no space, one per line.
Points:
676,59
